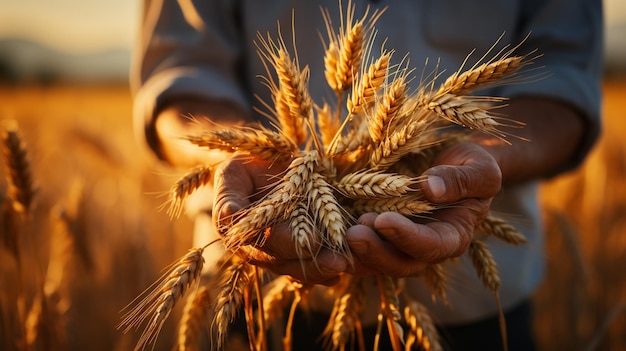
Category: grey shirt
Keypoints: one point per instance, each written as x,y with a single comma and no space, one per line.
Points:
206,49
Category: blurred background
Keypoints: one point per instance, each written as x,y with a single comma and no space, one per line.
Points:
95,236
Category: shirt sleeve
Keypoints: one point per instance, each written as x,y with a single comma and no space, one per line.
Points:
189,49
568,36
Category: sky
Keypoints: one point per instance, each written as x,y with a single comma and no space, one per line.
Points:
90,26
71,25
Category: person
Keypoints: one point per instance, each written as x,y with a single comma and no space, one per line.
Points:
198,58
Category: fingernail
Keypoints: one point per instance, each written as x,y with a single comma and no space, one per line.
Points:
436,185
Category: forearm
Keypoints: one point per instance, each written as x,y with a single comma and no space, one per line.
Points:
547,142
192,117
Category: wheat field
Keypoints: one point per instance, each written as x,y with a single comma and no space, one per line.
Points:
96,237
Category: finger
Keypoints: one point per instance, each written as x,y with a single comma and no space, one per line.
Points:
280,242
462,171
376,256
324,269
448,236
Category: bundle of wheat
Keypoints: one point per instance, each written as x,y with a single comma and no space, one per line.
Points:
366,161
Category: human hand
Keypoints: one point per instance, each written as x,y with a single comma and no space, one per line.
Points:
241,181
464,176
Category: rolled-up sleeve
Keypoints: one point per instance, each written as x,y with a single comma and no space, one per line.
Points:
568,36
187,49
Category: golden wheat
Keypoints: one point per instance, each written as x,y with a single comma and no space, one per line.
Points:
158,303
195,315
368,161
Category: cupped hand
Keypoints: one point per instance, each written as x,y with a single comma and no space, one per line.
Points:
465,177
239,182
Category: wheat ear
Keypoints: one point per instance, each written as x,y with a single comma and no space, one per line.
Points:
329,214
484,74
276,295
344,321
17,166
230,298
197,177
364,93
487,270
195,315
421,326
435,278
259,142
157,305
390,310
502,230
408,205
375,184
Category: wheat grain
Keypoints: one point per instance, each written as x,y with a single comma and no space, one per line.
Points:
197,177
302,230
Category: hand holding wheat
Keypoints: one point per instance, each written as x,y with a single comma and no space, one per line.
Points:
384,182
392,244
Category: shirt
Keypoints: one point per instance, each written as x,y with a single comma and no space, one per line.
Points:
206,49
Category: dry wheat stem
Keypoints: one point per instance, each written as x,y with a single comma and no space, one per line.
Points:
158,303
195,315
